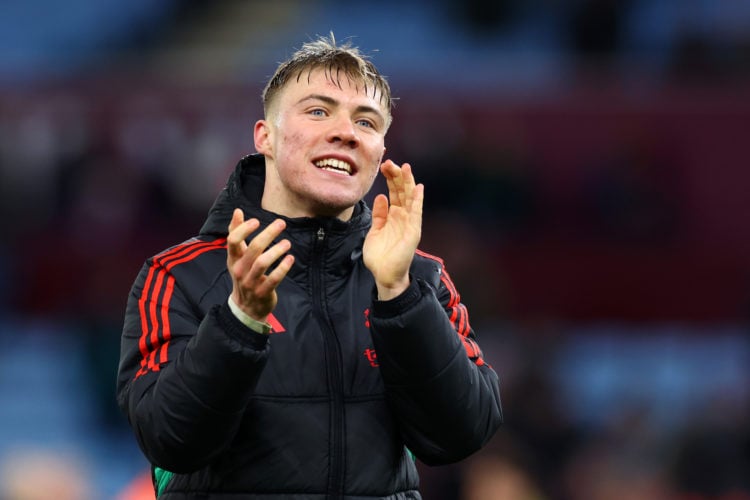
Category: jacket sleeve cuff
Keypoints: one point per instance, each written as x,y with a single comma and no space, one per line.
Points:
397,305
252,323
238,331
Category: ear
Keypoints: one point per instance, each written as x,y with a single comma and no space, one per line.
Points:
382,155
380,165
262,136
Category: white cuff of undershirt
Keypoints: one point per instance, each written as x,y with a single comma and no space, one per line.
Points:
252,323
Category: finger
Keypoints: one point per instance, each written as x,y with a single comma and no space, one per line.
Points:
417,204
387,167
263,239
398,182
237,217
265,260
407,183
236,238
379,211
239,232
274,278
394,181
407,175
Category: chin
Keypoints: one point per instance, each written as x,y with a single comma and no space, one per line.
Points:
333,208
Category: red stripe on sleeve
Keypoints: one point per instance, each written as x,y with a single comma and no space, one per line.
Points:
454,316
458,311
473,351
155,339
464,330
154,334
459,315
167,332
162,356
156,263
461,328
214,246
142,311
151,358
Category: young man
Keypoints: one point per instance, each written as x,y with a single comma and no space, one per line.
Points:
301,346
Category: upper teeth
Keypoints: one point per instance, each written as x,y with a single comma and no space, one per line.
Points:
335,164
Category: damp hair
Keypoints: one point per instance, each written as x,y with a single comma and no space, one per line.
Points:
340,62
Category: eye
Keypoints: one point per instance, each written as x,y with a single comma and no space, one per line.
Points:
319,112
365,123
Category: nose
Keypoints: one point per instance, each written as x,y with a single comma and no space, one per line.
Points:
343,131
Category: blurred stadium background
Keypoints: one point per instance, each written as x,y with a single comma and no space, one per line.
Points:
587,172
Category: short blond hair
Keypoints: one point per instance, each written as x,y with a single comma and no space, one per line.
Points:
336,60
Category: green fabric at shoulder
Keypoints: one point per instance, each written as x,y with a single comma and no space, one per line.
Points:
162,478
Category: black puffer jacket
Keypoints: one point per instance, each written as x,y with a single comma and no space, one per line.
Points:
335,403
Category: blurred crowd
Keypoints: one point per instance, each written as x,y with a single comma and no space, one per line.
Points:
601,204
546,451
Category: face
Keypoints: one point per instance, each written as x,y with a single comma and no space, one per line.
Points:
323,144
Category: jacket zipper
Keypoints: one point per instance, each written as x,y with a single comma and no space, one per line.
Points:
333,370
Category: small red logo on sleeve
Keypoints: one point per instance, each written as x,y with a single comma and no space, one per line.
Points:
367,317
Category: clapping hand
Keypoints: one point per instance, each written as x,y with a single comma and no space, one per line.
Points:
396,230
253,286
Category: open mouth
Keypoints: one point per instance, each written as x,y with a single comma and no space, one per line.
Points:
335,165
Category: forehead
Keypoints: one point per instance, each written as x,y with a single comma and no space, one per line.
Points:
333,82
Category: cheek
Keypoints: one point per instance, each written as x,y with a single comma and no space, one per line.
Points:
378,160
372,174
375,171
292,141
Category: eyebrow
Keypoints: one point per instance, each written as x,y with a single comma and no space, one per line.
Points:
334,102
